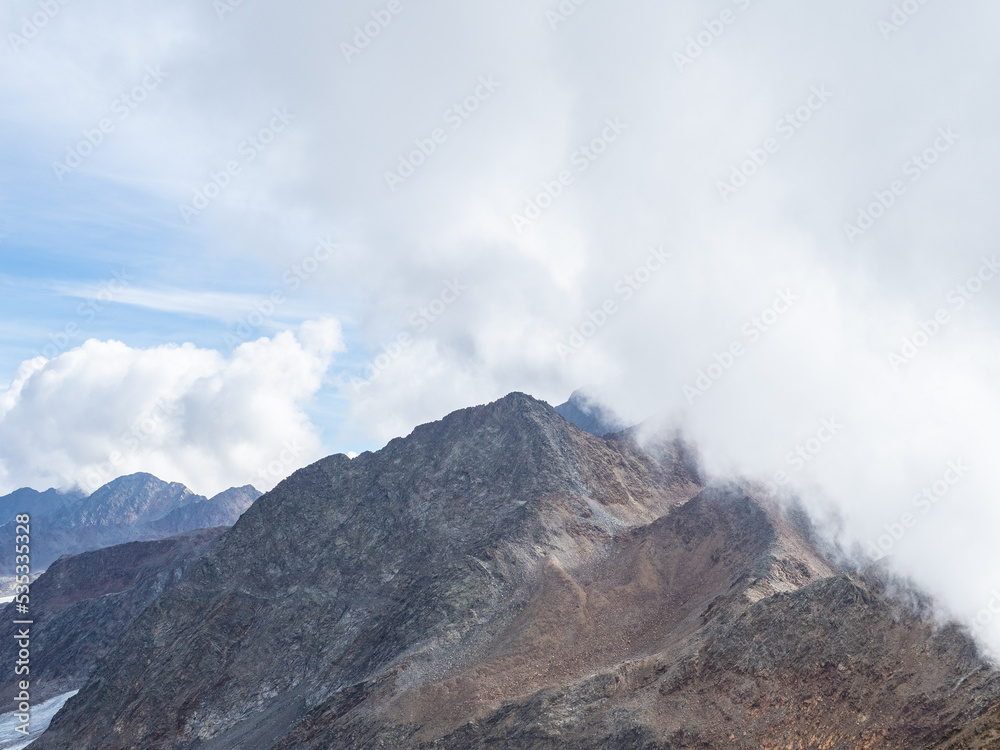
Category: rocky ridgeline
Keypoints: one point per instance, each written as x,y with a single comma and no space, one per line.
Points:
503,579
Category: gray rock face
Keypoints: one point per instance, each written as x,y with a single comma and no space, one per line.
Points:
84,603
400,557
502,579
132,508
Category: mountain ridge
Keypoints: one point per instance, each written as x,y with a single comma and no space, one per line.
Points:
500,576
474,481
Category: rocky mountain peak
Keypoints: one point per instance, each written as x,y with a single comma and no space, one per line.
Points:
135,498
390,552
502,578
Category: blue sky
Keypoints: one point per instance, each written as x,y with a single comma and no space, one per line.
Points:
66,246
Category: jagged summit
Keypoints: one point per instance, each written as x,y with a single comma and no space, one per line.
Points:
135,498
515,411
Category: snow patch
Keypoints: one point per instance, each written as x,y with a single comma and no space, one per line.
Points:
41,716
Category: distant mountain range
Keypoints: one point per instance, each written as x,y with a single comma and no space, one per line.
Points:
503,579
131,508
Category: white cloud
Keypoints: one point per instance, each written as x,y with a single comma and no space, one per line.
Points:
219,305
186,414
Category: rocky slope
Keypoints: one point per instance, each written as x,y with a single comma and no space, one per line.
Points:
502,579
84,603
137,507
785,655
981,734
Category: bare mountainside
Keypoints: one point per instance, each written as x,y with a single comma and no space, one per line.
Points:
84,603
502,579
